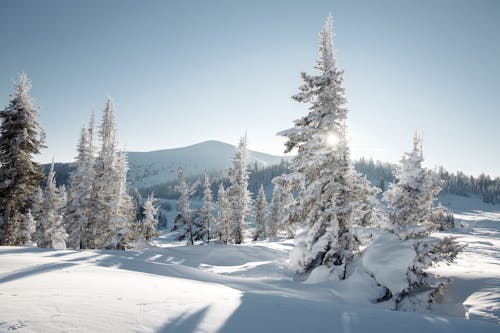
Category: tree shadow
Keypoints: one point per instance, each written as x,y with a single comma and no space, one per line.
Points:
185,322
33,270
22,249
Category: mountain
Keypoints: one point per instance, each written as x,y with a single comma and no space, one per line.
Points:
154,167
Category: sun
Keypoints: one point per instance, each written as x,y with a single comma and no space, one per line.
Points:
332,139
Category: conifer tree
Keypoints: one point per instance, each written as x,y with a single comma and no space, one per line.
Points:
260,215
21,138
150,221
77,209
28,229
207,209
237,193
50,228
223,224
327,198
183,222
410,200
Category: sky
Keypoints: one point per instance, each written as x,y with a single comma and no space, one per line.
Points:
182,72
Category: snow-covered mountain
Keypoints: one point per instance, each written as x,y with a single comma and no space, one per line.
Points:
154,167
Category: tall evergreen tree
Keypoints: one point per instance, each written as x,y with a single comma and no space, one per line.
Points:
325,202
260,215
237,193
223,224
21,138
207,209
77,209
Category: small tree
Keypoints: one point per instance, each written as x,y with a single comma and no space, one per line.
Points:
149,222
260,215
184,219
28,229
409,202
207,209
223,224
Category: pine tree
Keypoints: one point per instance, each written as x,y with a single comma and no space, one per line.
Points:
410,201
50,228
77,209
223,224
149,222
183,222
237,193
410,198
111,209
207,209
21,138
260,215
28,229
327,198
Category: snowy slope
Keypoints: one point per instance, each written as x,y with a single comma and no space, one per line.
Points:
150,168
228,288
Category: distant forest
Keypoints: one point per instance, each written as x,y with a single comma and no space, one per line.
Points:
379,173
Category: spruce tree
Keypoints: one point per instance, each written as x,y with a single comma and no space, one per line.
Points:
50,228
260,215
223,224
28,229
207,209
410,206
237,193
327,197
150,221
184,219
21,138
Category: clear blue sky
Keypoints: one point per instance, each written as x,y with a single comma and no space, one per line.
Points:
182,72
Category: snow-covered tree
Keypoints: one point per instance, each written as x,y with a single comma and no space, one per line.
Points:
237,193
260,215
184,219
21,138
150,221
111,210
28,229
206,212
327,198
280,203
50,228
410,200
80,187
223,222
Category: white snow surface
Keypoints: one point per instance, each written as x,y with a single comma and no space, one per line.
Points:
247,288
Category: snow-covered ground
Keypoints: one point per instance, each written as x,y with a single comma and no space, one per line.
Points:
247,288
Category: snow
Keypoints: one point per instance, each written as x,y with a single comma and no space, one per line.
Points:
388,259
241,288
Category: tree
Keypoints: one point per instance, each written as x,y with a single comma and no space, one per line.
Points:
326,200
21,138
80,188
183,222
410,200
223,224
207,209
50,228
149,222
111,210
28,229
237,193
260,215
